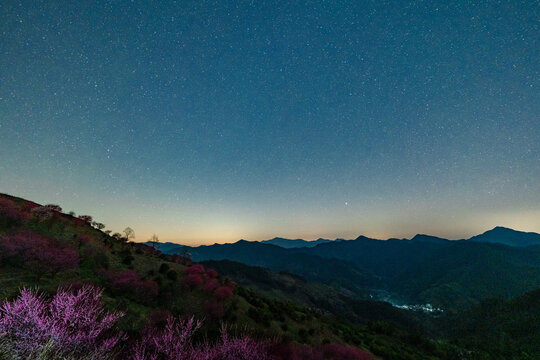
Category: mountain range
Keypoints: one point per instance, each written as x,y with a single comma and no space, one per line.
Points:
453,274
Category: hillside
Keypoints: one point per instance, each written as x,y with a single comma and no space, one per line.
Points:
290,287
341,274
498,327
449,274
41,247
466,273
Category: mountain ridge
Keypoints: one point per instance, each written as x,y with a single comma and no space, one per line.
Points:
496,235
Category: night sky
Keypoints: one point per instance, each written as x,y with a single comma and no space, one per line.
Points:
211,121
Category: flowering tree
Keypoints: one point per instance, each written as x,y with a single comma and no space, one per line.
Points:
71,323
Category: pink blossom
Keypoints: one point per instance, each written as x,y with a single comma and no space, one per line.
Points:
73,322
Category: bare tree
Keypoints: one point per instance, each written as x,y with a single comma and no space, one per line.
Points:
130,234
154,240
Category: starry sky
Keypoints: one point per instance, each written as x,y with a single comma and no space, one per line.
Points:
210,121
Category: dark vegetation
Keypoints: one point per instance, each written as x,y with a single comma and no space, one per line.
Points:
504,329
290,287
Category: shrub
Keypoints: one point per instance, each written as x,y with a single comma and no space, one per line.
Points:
195,269
164,268
129,282
211,285
71,323
174,342
214,309
42,213
172,275
193,280
223,292
38,252
53,207
10,214
87,219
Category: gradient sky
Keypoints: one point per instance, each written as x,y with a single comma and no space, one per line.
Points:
210,121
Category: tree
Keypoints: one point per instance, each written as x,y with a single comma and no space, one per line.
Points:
98,225
130,234
86,218
154,240
53,207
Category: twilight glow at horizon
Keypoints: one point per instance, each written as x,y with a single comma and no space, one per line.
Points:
208,121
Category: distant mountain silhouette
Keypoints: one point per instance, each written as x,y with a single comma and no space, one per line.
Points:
296,243
508,237
450,273
428,239
313,267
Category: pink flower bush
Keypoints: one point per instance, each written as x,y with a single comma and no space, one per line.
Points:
74,324
223,292
39,252
193,280
174,342
197,277
242,348
71,322
211,285
129,282
195,269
